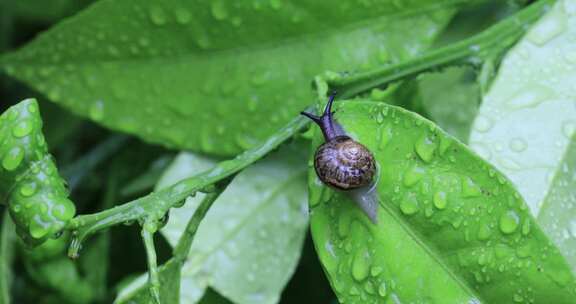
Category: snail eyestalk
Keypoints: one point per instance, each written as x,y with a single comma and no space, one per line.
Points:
329,129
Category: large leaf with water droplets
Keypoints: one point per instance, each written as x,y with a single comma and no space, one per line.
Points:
29,181
204,75
527,120
249,242
451,228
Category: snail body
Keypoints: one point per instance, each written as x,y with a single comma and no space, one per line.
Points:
345,164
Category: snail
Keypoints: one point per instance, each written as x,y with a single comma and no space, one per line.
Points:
345,164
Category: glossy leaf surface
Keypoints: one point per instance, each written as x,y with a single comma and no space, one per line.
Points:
155,68
451,228
29,180
527,122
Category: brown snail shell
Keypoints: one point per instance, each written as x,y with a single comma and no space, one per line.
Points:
344,164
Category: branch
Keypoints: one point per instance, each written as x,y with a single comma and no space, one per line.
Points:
158,203
472,51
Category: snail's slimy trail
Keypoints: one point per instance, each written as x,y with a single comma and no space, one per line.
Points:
367,199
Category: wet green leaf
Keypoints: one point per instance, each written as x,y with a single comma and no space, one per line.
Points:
203,76
138,291
29,180
451,228
451,99
527,120
248,245
7,241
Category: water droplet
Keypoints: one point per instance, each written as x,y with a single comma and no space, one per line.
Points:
409,205
219,10
547,29
361,265
484,232
483,124
413,176
13,158
276,4
440,200
382,290
38,228
469,188
425,148
376,270
96,110
183,16
158,16
568,128
509,221
22,129
529,97
28,189
518,144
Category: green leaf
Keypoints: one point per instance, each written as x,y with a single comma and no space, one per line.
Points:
29,180
527,120
47,10
451,229
7,241
203,76
137,291
248,245
451,99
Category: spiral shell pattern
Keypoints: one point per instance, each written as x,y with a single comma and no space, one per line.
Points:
344,163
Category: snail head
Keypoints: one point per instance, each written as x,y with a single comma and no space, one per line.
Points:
325,121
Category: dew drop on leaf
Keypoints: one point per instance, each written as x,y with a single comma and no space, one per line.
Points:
409,205
22,129
440,201
425,148
13,158
509,222
158,16
219,11
382,289
183,16
361,265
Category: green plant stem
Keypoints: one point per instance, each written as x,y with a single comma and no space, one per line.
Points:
160,202
185,242
486,45
148,230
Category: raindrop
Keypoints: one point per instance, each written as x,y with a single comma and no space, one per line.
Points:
518,144
409,205
425,148
440,200
22,129
413,176
469,188
549,28
219,10
568,128
361,265
382,290
183,16
28,189
509,222
158,16
96,110
13,158
483,124
531,97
